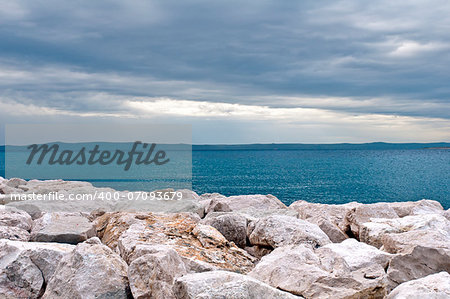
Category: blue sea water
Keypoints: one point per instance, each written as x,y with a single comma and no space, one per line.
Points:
323,176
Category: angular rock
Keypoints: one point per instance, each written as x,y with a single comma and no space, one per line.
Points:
372,232
231,225
25,267
280,230
193,265
223,284
14,233
122,231
404,242
365,213
10,216
152,275
15,182
258,251
433,286
332,219
62,227
419,207
91,270
208,236
254,205
21,279
5,189
419,253
418,262
301,271
216,205
359,255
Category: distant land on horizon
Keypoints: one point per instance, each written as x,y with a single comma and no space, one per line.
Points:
306,146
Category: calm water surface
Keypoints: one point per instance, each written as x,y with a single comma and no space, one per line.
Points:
325,176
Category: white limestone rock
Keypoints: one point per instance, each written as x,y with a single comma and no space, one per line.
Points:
14,233
332,219
365,213
373,231
91,270
359,255
435,286
300,270
63,227
227,285
10,216
232,226
25,267
152,275
280,230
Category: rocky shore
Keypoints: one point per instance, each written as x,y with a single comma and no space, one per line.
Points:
212,246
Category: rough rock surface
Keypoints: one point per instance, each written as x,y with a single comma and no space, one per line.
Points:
253,205
359,255
280,230
367,212
25,267
10,216
14,233
222,284
231,225
91,270
125,231
404,242
156,253
299,270
62,227
190,201
435,286
332,219
152,275
419,207
372,232
416,263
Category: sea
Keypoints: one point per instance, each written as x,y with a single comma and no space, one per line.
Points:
330,175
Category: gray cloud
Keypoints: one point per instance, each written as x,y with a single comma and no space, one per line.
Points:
384,57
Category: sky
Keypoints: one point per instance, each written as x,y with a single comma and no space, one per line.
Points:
237,71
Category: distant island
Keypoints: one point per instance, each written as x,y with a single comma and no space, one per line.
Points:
305,146
334,146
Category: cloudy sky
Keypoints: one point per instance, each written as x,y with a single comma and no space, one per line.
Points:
238,71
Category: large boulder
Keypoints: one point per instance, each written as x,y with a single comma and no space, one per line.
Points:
152,275
365,213
404,242
10,216
300,270
231,225
280,230
435,286
26,267
62,227
128,232
254,205
223,284
418,254
373,231
417,262
419,207
332,219
91,270
359,255
208,236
